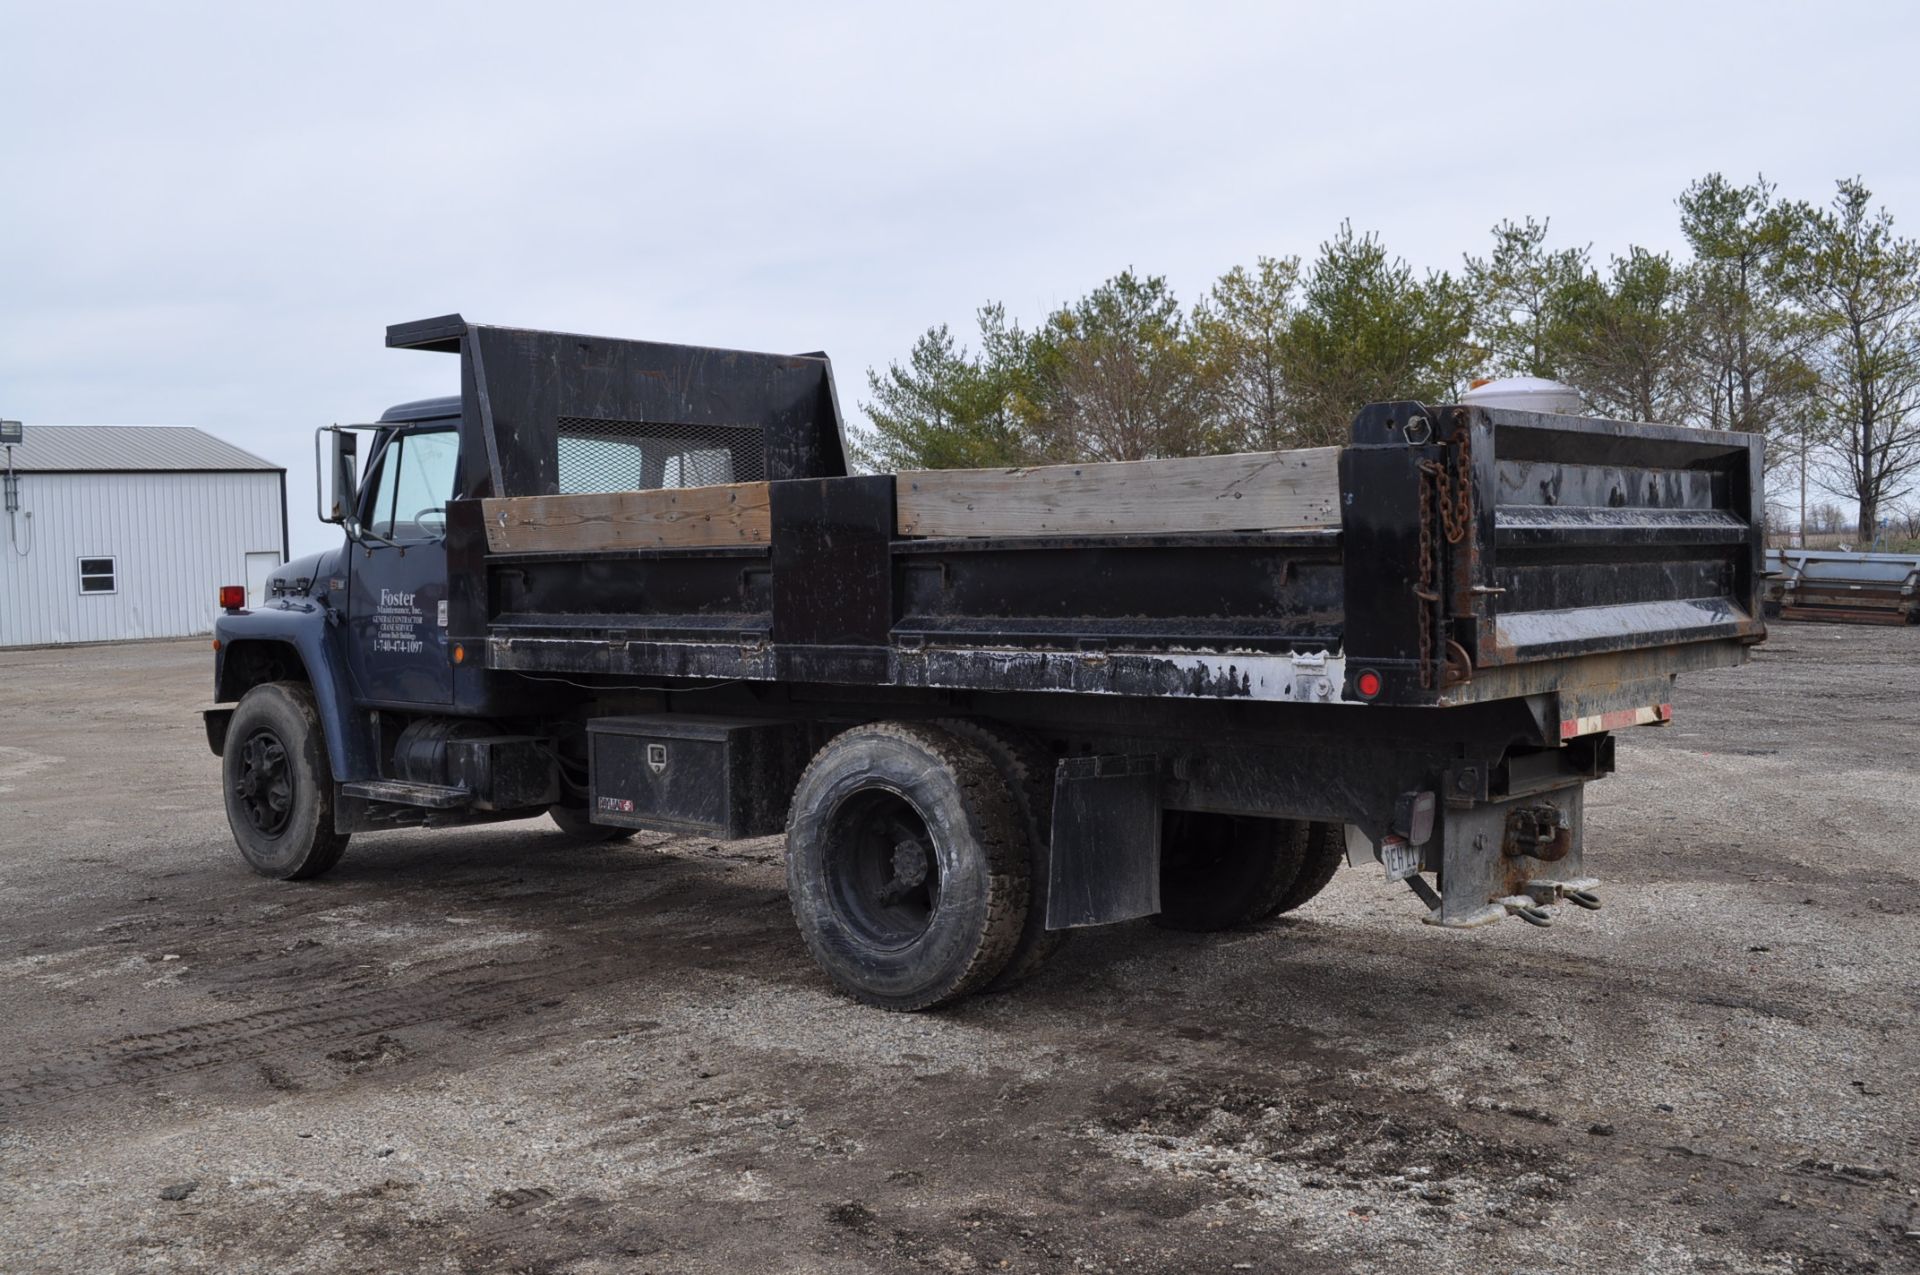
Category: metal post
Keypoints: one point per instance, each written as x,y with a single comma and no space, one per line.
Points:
1803,486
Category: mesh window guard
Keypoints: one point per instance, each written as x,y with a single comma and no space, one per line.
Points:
601,455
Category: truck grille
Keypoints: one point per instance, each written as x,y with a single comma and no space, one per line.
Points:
603,455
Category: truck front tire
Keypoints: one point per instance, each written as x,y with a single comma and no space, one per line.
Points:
908,865
279,787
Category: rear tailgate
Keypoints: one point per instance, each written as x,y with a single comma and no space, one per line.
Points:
1552,552
1608,535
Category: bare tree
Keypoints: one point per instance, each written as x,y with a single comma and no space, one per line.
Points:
1859,285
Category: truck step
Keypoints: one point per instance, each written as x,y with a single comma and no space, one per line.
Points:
401,793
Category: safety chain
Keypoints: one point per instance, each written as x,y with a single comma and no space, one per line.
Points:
1456,488
1456,517
1425,595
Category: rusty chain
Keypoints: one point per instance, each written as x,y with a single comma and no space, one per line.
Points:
1455,486
1424,593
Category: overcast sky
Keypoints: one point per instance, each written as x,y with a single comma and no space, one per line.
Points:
209,214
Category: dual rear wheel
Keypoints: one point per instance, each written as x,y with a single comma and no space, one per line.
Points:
917,862
1218,872
909,864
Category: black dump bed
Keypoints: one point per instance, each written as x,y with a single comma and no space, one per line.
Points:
665,512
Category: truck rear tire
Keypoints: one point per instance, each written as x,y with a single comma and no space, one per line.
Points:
908,865
1222,871
1325,850
1028,771
279,787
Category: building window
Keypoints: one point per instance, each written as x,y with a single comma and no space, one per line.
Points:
97,576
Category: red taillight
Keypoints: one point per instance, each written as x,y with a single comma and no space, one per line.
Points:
1368,684
232,597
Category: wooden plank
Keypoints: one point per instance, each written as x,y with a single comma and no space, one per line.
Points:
1256,491
686,517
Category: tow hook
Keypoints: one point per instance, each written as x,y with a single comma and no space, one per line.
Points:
1531,905
1579,893
1540,832
1527,910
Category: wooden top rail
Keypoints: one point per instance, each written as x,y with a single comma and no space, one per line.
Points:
677,518
1256,491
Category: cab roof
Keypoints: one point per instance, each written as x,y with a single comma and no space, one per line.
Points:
446,407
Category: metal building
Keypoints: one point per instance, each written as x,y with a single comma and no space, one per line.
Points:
128,531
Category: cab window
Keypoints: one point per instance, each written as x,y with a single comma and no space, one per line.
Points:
412,484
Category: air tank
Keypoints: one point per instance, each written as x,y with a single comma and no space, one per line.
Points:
1526,394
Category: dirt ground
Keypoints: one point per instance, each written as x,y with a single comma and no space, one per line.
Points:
486,1050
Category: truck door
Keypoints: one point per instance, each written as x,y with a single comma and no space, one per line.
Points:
397,595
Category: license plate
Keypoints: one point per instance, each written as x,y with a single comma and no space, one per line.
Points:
1401,860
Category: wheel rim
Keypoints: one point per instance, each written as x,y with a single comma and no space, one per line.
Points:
882,868
265,783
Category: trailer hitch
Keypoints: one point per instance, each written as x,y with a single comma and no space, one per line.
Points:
1538,832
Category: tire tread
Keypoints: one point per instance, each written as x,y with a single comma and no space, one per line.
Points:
1001,839
1028,770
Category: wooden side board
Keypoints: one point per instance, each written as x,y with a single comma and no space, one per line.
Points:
686,518
1257,491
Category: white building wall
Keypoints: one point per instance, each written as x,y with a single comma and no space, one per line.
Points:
175,538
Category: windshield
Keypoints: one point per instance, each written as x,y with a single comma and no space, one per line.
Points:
412,482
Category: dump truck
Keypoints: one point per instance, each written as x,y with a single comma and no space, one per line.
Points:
634,585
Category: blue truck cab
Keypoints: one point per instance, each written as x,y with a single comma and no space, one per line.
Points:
349,641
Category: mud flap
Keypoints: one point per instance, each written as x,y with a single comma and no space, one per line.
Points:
217,720
1512,857
1105,861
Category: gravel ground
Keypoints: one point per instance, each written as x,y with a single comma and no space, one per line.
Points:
486,1049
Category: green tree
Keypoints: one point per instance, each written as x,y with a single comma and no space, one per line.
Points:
949,408
1628,340
1747,340
1240,331
1368,331
1525,299
1117,376
1857,283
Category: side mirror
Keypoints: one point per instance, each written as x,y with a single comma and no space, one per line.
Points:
343,470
